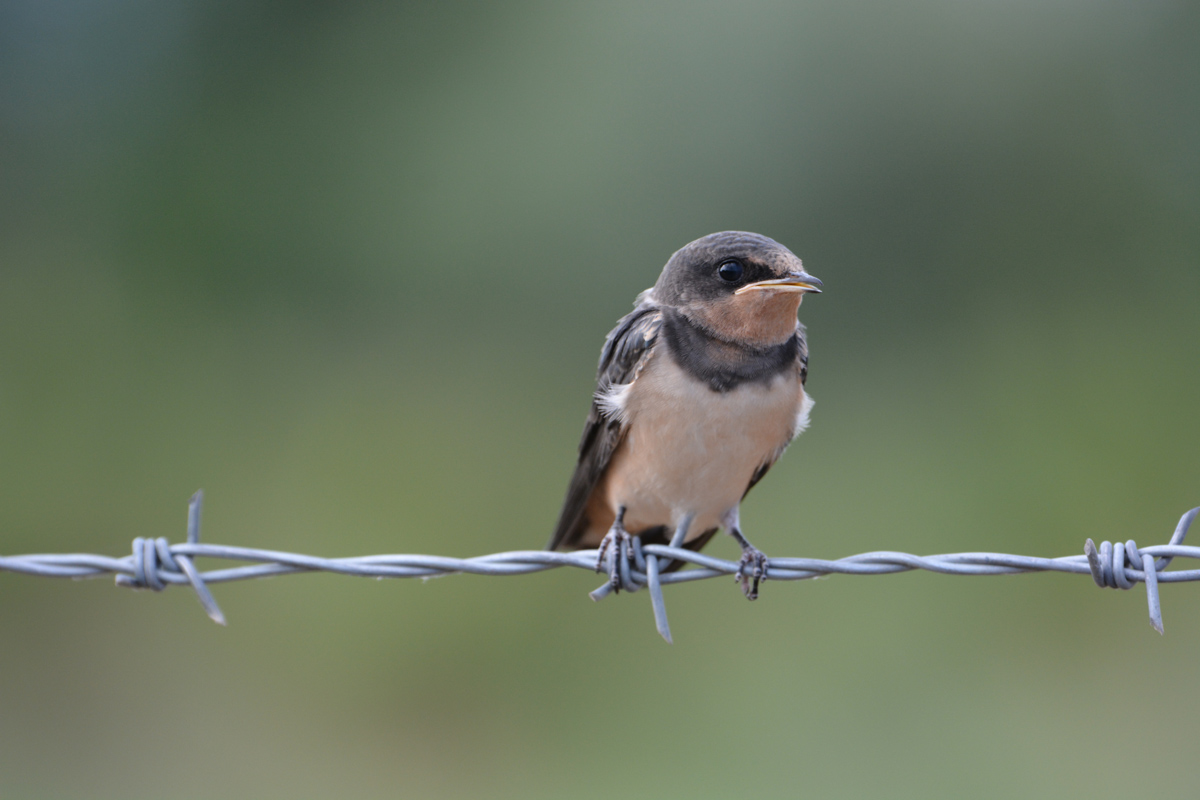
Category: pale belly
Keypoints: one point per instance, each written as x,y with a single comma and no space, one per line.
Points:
690,450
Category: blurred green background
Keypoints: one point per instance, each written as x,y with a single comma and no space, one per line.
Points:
347,266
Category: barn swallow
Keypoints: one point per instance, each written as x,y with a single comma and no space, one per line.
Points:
700,389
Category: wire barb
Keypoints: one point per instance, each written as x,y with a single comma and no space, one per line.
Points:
149,554
1107,564
155,564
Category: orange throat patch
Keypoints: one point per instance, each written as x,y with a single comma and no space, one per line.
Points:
758,319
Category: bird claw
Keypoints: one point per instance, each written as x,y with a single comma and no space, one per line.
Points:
622,546
758,561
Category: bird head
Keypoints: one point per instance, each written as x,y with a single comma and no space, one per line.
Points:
742,287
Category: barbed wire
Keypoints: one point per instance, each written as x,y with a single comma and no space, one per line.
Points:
155,564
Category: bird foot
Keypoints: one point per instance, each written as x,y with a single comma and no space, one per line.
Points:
752,568
621,543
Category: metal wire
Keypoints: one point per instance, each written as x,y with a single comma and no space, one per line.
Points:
156,564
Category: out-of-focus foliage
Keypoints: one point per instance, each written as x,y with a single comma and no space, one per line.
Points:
348,267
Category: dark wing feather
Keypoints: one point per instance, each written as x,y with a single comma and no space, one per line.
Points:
802,365
625,350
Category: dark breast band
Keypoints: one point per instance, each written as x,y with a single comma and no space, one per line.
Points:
722,365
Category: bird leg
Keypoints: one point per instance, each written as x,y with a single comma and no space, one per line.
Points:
622,546
751,557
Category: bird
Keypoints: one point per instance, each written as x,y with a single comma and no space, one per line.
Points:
699,391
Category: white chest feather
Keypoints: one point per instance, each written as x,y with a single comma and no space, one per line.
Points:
689,449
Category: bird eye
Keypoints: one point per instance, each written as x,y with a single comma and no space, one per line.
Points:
730,272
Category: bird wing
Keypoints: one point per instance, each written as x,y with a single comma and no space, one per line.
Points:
802,365
625,352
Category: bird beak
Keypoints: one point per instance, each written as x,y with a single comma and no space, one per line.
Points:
795,282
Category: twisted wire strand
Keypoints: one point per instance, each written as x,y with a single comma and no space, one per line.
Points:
155,564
